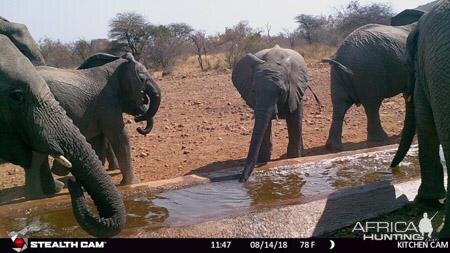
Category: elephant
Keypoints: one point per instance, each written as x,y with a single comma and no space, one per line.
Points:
21,37
95,96
272,82
367,68
410,16
428,106
34,126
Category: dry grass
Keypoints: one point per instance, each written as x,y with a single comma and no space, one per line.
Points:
311,53
212,62
316,52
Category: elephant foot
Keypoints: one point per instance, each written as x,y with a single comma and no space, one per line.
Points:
263,158
50,190
133,180
35,195
379,137
294,154
430,203
445,232
333,146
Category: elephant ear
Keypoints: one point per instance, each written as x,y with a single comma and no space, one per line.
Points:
98,60
298,83
242,78
410,16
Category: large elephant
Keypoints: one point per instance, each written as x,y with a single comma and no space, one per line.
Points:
410,16
33,126
428,108
21,37
96,95
367,68
272,82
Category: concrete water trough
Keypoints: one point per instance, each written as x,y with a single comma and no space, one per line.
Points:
301,197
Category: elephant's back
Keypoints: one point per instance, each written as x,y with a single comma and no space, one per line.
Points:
375,55
279,54
434,51
73,89
287,57
373,42
66,77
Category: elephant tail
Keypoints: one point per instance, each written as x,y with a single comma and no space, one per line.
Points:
333,62
316,98
346,76
408,132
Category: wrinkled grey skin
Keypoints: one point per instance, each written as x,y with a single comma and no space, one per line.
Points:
19,35
33,125
96,95
367,68
428,110
272,82
410,16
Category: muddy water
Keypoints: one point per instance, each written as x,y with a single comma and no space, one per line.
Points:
276,187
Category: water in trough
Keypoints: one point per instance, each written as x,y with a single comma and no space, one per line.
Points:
267,189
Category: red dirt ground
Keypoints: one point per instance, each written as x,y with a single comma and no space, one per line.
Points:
203,124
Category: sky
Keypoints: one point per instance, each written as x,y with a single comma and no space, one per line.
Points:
69,20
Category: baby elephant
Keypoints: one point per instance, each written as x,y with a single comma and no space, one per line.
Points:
272,82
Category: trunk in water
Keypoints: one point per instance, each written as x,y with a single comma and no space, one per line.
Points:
408,132
262,119
154,94
89,173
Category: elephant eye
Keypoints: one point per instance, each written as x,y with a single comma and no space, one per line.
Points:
17,95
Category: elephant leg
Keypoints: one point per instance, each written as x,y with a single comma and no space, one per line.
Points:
340,108
33,183
50,185
98,143
121,146
432,184
445,232
113,164
265,150
375,131
39,181
294,125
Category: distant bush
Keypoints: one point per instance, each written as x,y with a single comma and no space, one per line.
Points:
70,55
333,29
239,40
166,44
161,46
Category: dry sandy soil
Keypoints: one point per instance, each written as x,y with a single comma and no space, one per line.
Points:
203,124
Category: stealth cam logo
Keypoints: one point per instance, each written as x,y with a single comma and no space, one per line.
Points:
20,242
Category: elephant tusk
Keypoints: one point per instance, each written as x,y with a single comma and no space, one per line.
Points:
62,160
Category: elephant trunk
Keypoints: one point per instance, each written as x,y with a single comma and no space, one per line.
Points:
262,120
408,132
65,138
90,174
154,94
